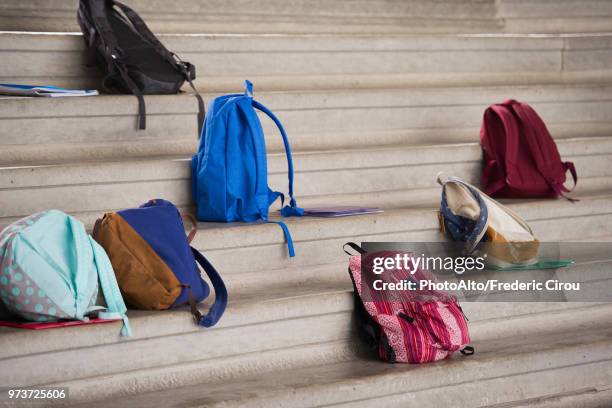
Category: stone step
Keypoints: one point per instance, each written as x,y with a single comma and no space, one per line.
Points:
387,8
544,25
46,130
586,397
239,248
574,356
300,61
297,16
322,17
270,322
316,290
390,199
554,8
546,16
267,320
103,186
262,247
420,197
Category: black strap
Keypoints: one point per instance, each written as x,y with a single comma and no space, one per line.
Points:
467,351
463,313
99,18
112,53
91,47
142,114
405,317
187,69
98,11
355,247
201,108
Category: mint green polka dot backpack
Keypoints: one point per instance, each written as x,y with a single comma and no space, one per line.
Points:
51,269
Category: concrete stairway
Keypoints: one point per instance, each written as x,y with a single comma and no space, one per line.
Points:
348,16
575,358
371,118
334,61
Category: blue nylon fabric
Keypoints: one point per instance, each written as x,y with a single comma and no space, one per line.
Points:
159,223
460,228
217,309
230,170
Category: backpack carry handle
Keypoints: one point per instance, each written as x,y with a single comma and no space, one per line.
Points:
218,307
194,226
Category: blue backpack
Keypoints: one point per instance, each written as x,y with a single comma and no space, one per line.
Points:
230,171
154,262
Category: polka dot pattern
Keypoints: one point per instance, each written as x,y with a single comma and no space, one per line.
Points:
24,297
18,291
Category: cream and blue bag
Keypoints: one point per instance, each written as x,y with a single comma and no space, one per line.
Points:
51,269
489,228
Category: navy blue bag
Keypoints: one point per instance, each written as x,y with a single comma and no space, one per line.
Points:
230,171
154,263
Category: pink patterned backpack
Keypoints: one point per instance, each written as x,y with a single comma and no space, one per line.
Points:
406,326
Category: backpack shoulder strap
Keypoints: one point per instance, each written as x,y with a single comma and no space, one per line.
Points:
510,128
292,209
98,9
216,310
110,288
185,68
535,130
263,192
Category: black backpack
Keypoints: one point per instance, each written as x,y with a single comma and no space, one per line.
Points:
132,58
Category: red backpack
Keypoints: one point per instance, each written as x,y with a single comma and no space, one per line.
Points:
521,159
406,326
